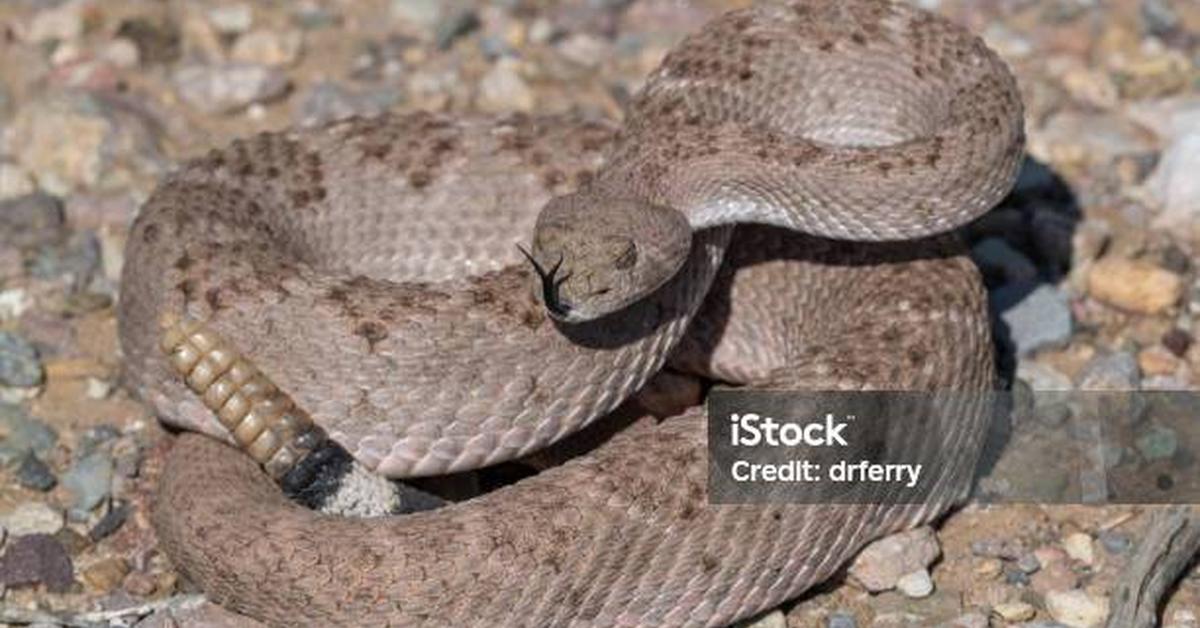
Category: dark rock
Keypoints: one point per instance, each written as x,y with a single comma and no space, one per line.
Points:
19,364
22,434
1177,341
33,220
37,559
453,24
110,522
157,41
35,474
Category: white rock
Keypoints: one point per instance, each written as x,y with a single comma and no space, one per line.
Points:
268,47
62,23
1014,611
1175,186
231,19
32,518
1079,547
503,89
122,53
1076,608
917,584
882,564
14,181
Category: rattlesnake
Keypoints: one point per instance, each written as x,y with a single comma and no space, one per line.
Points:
367,272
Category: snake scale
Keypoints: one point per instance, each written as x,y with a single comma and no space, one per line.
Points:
366,274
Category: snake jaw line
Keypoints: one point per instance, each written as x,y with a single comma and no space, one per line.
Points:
263,420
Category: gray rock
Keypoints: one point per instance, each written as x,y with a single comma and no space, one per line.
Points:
1157,442
22,434
996,258
840,620
1115,542
228,87
89,481
327,101
35,474
1113,371
19,364
37,559
94,437
77,260
31,220
1034,317
997,548
1029,563
1158,17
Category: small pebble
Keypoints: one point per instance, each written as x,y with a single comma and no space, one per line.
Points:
997,548
1157,443
1016,576
1177,341
230,87
32,518
1029,563
22,433
1134,285
1014,611
1115,542
840,620
89,481
453,24
917,584
110,522
1157,360
1076,608
1174,184
231,19
106,574
1113,371
502,88
881,565
266,47
34,559
989,567
61,23
35,474
19,364
1033,316
1079,547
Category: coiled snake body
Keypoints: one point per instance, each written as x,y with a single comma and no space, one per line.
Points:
368,270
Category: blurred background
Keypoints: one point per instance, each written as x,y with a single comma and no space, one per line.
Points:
1091,262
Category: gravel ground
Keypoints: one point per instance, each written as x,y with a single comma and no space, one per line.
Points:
1091,263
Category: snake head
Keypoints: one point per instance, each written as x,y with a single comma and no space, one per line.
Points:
593,256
